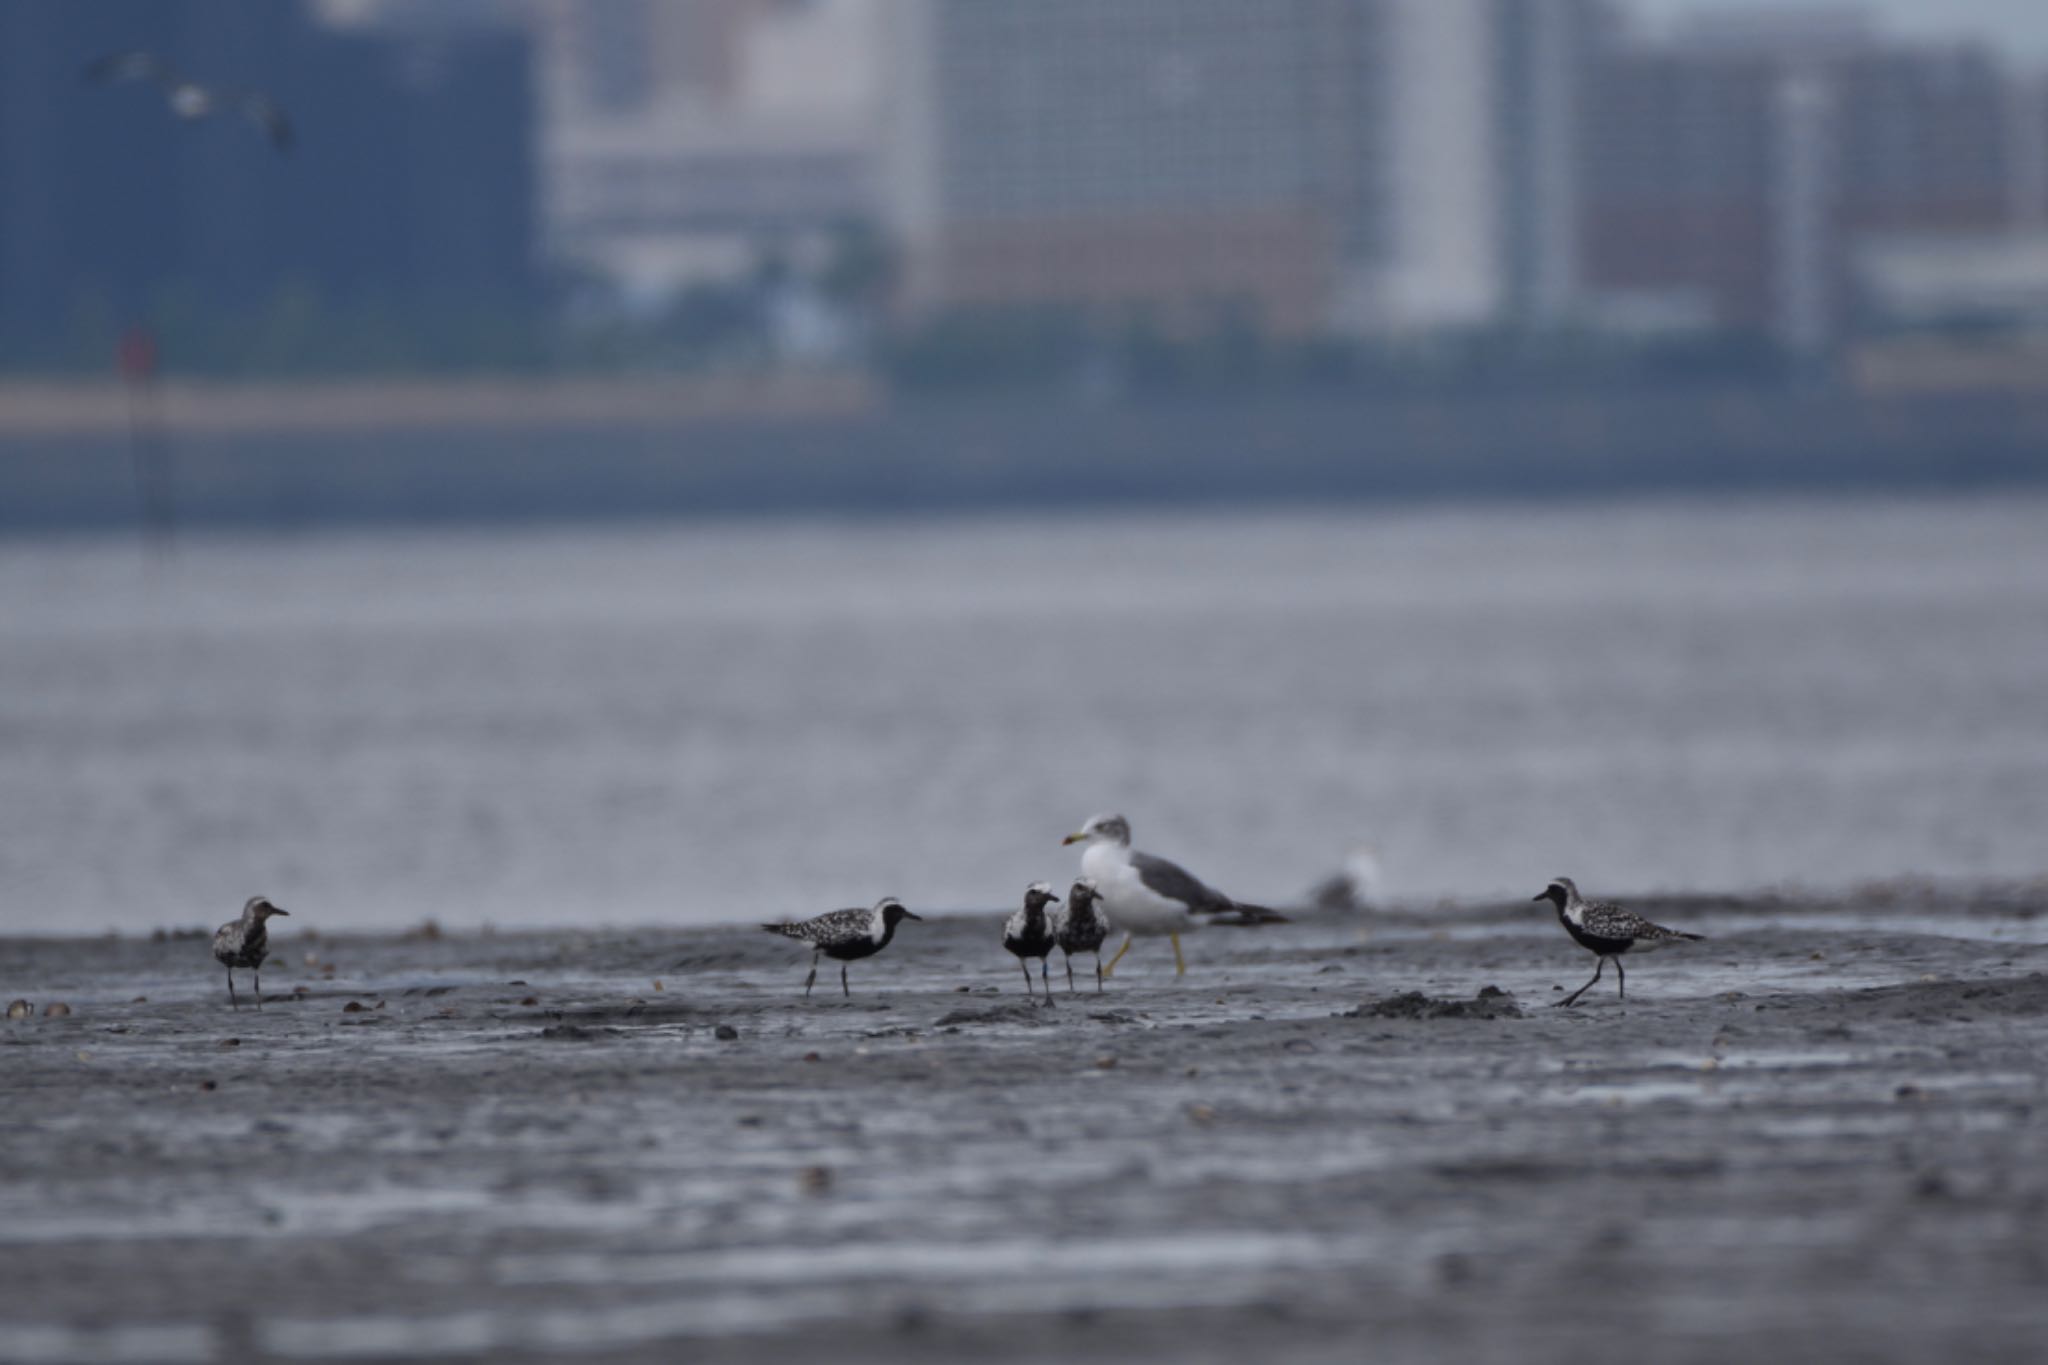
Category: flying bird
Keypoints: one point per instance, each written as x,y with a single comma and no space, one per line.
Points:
189,99
245,943
1147,895
1605,930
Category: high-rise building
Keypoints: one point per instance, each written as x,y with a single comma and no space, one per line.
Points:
1184,163
1544,52
1358,166
687,141
1733,172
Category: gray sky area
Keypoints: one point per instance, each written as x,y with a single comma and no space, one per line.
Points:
2019,25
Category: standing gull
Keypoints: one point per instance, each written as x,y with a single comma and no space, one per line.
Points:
1080,927
1150,896
1028,933
190,100
245,943
1605,930
845,935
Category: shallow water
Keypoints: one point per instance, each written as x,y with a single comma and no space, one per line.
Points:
712,722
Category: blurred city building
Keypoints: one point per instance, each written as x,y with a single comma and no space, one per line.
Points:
768,179
1306,167
411,183
1734,170
1386,167
702,140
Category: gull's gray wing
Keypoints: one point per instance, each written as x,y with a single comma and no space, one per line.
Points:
1175,882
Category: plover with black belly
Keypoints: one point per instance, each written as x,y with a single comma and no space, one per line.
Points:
1080,927
1146,896
845,935
245,943
1605,930
1028,933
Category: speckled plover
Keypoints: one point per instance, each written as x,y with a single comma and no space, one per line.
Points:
1027,933
1150,896
245,943
1080,927
190,100
845,935
1605,930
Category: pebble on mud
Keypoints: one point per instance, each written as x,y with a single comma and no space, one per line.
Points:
352,1007
814,1179
56,1009
725,1033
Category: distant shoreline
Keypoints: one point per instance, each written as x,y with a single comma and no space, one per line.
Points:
503,449
193,407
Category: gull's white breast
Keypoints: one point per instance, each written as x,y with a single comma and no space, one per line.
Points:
1131,905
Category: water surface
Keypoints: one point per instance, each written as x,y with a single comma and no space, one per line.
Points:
705,722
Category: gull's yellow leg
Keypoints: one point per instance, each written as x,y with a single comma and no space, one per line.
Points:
1110,970
1180,964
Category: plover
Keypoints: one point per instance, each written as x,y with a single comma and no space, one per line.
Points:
1149,896
1080,927
1028,933
1605,930
845,935
190,100
245,943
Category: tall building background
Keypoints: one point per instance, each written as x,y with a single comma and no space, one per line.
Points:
1356,172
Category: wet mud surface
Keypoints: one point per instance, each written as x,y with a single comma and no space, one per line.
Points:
1821,1135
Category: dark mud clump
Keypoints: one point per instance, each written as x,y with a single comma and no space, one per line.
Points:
1491,1003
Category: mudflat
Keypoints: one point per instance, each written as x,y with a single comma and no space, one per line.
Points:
1820,1135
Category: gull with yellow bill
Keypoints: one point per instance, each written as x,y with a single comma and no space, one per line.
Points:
1149,897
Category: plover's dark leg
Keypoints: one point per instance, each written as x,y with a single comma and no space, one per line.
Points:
1099,973
1180,964
1025,968
231,989
843,988
1070,973
1044,975
1573,998
1621,972
812,979
257,972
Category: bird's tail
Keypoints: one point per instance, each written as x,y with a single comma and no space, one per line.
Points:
786,930
1241,913
1690,938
